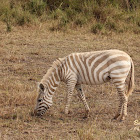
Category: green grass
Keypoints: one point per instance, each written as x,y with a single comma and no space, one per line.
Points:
114,15
97,28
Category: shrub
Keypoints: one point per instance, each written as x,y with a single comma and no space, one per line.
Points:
24,18
71,13
97,28
111,25
5,15
105,13
36,7
58,14
80,20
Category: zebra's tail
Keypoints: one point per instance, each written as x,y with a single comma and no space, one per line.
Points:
131,80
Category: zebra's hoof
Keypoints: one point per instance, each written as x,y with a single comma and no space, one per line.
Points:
86,114
122,118
116,117
85,117
67,113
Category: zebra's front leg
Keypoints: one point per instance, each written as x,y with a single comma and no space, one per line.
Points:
83,99
68,100
70,87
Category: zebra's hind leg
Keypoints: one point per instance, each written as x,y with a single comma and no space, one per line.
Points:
83,99
122,110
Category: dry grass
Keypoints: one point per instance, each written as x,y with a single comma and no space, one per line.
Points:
25,56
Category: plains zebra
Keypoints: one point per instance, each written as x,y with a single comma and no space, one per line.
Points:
87,68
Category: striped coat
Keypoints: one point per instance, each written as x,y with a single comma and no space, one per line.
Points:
89,68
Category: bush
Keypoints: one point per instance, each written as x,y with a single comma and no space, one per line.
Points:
36,7
111,25
97,28
105,13
80,20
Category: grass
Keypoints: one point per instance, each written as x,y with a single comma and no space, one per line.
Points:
96,28
113,16
95,133
24,59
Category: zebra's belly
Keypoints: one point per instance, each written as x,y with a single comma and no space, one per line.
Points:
94,80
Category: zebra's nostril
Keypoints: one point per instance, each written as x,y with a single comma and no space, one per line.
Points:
42,114
36,113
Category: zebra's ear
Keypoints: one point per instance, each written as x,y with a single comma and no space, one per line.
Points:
37,84
60,59
41,86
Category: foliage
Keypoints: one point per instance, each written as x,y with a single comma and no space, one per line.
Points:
96,28
73,12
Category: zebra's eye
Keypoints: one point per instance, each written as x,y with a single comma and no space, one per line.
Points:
39,100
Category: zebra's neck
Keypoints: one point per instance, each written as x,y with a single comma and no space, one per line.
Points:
51,81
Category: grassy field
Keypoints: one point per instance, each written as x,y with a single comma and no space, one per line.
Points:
101,16
25,55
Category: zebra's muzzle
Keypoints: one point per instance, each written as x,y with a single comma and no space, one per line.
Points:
38,113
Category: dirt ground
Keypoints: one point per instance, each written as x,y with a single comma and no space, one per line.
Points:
27,52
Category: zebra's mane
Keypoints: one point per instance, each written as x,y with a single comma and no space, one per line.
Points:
57,63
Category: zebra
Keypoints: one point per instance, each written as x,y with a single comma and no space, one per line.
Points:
90,68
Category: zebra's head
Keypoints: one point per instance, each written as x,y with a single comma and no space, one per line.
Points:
43,101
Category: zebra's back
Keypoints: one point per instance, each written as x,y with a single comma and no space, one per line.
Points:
97,67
